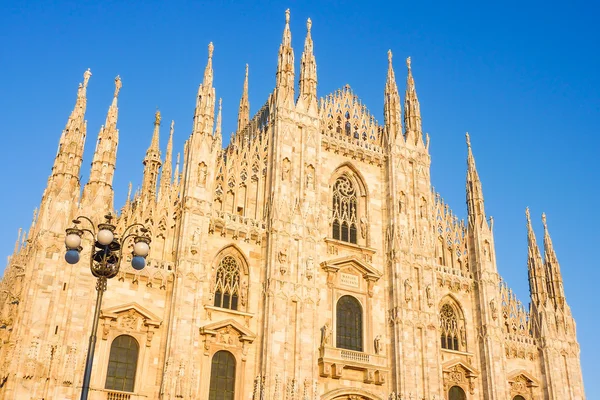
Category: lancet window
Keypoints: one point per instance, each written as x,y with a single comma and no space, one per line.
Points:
349,324
227,284
222,376
122,364
345,207
453,335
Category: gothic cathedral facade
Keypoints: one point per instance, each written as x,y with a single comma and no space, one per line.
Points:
308,259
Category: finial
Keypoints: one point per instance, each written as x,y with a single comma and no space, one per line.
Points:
308,25
246,70
157,118
287,16
118,85
468,140
390,56
220,103
86,77
211,48
527,215
544,221
172,126
408,62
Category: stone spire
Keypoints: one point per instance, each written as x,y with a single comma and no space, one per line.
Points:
218,133
535,266
62,193
165,175
308,73
474,191
412,110
244,111
391,108
70,149
98,193
554,277
205,101
152,163
176,174
285,67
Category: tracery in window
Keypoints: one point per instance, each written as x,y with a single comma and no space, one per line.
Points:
452,332
457,393
227,284
349,325
344,210
222,376
122,364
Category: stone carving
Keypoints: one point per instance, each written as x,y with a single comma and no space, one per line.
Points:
407,290
286,170
378,345
363,227
494,309
326,334
129,321
202,174
310,177
429,294
310,267
282,258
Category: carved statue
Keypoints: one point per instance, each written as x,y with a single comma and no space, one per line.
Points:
494,309
310,267
407,290
202,173
285,175
429,294
363,227
310,178
326,334
378,345
463,336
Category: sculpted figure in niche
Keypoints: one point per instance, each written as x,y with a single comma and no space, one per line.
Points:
363,227
285,174
407,290
310,177
202,173
378,345
429,296
326,334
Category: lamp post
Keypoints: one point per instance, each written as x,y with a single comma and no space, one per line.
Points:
105,257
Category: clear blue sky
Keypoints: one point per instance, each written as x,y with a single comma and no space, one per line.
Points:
521,77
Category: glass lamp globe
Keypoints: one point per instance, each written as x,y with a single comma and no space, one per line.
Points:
105,237
72,256
141,249
72,241
138,263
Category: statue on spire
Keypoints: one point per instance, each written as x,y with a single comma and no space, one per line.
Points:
118,85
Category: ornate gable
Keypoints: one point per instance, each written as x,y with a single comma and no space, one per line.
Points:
350,268
129,318
459,373
228,334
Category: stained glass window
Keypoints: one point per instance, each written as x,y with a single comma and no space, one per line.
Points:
349,324
449,328
344,210
122,364
227,284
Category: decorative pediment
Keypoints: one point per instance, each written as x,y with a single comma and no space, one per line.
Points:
226,329
128,318
366,270
132,310
522,376
467,368
457,372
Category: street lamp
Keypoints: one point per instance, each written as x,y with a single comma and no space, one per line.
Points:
105,258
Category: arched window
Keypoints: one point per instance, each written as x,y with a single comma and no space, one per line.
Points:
344,210
457,393
122,364
349,324
519,397
222,376
449,327
227,283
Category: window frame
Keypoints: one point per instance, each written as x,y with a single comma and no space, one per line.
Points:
232,378
361,335
135,364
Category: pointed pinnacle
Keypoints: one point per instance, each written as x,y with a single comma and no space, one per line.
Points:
468,140
86,77
389,53
118,86
544,222
211,49
308,25
157,118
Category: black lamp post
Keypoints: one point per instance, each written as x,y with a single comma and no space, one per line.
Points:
105,257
